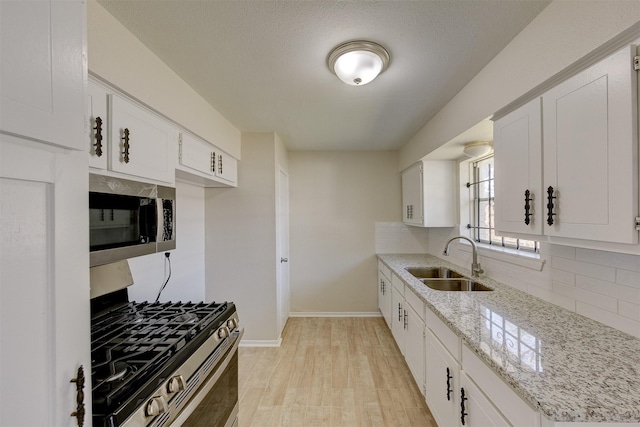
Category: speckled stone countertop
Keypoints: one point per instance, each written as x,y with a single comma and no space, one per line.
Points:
570,367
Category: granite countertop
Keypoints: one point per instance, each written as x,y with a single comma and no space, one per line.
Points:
568,366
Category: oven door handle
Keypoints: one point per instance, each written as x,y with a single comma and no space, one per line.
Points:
210,382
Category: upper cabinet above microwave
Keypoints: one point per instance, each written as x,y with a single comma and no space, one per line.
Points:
587,128
128,138
141,143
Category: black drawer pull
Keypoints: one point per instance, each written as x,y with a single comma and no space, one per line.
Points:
527,207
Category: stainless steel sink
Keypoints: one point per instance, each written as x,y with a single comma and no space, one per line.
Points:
454,285
433,273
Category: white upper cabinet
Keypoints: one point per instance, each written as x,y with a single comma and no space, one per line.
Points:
142,144
43,71
585,185
98,124
428,194
591,152
202,159
226,168
197,155
517,140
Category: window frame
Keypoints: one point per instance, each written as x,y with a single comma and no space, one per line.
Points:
476,199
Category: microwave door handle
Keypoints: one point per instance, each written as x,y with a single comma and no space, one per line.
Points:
159,221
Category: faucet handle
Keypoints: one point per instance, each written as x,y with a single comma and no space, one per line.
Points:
477,270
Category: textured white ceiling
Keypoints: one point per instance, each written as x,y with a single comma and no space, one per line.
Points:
262,64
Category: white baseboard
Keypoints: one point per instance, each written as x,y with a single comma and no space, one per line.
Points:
335,314
261,343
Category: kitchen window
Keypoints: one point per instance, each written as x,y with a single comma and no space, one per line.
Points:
482,207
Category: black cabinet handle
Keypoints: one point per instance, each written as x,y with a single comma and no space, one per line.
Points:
98,143
550,205
527,207
126,145
449,384
406,319
399,312
213,162
79,412
462,408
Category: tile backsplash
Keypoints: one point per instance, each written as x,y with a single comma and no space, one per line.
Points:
603,286
398,238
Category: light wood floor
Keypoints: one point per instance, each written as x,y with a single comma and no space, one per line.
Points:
330,372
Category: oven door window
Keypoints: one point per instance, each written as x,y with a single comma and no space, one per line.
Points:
216,408
117,221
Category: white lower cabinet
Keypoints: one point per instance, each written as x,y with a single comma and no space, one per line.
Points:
414,348
397,316
443,378
475,409
384,292
512,407
408,328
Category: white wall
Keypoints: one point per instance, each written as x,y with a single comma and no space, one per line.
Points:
241,238
118,57
336,200
187,260
562,33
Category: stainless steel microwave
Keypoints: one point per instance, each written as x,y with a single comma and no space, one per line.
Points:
129,218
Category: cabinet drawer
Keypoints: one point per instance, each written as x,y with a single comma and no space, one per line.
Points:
397,283
384,269
415,302
516,410
443,333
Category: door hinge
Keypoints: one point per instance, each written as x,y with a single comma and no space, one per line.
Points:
636,63
638,223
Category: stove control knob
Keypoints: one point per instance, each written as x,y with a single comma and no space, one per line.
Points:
155,406
176,384
231,324
223,332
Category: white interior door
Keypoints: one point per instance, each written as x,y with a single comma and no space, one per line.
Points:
283,250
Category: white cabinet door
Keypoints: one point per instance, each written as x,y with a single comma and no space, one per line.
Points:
475,409
98,122
44,278
43,71
428,194
517,140
591,152
414,345
226,168
384,297
152,142
442,372
197,155
398,318
412,195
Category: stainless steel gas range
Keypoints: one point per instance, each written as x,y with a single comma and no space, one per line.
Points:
163,364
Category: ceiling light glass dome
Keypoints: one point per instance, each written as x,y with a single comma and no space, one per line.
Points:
358,62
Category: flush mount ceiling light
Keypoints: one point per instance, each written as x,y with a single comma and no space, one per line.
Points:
358,62
477,149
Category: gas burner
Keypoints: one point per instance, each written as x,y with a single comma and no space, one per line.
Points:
137,346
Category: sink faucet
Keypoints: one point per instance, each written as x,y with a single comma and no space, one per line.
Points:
476,270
